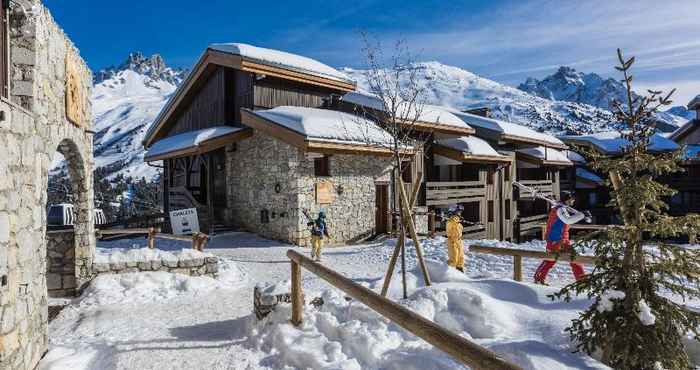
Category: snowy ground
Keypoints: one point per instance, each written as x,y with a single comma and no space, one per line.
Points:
161,320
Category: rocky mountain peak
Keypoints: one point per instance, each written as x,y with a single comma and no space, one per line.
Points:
153,67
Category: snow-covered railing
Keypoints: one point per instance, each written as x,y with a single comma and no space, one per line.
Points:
518,255
467,352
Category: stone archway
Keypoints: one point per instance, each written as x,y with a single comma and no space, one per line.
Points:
69,251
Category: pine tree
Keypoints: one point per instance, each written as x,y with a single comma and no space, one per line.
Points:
639,279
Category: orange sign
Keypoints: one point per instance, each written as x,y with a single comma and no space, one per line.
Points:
324,192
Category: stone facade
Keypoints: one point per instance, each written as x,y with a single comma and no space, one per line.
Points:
268,179
34,128
60,263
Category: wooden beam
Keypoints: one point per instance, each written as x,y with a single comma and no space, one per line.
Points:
297,295
461,349
498,251
288,74
436,127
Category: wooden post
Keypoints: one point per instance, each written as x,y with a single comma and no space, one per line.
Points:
151,237
392,266
408,221
518,268
297,296
195,241
431,223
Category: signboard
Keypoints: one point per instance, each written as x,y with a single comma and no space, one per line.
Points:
324,192
184,221
74,93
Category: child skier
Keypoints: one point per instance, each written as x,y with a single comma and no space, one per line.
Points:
318,231
455,245
557,236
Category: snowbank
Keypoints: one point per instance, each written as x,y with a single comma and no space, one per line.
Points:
186,261
155,286
514,319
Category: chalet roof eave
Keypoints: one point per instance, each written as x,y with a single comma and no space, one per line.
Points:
220,58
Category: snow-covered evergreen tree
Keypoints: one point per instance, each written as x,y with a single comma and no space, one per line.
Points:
633,319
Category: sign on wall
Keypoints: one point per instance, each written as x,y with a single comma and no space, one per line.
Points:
184,221
74,93
324,192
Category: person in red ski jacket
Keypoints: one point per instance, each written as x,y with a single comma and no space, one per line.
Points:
557,236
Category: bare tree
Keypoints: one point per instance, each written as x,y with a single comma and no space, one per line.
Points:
398,94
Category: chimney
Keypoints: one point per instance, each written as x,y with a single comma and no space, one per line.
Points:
483,111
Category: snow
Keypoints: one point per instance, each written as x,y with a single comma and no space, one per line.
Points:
546,154
507,128
145,320
123,255
645,315
470,145
188,140
329,125
611,142
606,303
588,175
282,59
428,113
575,157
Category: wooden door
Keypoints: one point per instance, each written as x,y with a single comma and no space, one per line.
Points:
382,209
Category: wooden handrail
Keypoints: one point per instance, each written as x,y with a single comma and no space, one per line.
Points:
519,254
198,239
461,349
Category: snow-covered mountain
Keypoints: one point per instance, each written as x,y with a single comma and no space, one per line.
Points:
126,100
461,89
567,84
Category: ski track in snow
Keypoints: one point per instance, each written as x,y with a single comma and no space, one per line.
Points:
207,323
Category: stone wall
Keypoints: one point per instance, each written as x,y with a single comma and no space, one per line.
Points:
60,263
265,175
35,127
200,265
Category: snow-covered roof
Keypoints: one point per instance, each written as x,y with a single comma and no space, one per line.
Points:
433,114
683,129
575,157
588,175
546,154
282,59
507,128
327,125
470,145
188,140
611,142
695,103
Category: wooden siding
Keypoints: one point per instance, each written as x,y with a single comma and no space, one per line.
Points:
272,92
206,109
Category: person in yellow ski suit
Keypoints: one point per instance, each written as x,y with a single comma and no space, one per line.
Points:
455,245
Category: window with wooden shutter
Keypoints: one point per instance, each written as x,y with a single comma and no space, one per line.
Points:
322,166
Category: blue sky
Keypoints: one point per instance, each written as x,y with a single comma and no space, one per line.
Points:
503,40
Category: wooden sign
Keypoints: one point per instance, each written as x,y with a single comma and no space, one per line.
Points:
74,94
324,192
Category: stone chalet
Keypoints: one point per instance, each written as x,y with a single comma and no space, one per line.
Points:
255,136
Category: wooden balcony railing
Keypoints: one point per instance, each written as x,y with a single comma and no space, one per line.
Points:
444,193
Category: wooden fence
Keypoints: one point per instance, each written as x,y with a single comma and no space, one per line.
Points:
518,255
198,240
461,349
444,193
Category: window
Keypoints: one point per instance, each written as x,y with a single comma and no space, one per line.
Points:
490,209
406,172
506,208
592,199
322,166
